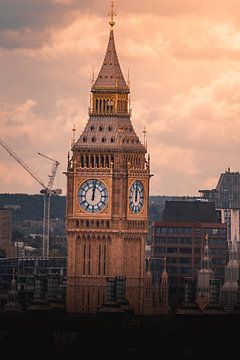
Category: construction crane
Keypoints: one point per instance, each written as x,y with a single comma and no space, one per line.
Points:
46,190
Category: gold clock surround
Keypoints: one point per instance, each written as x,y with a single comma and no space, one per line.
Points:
106,211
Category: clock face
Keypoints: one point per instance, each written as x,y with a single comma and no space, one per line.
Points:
93,196
136,197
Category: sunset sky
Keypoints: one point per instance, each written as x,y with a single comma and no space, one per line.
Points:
183,57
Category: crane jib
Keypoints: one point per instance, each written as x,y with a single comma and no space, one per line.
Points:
46,190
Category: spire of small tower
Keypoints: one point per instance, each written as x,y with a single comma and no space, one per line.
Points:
12,304
206,261
204,277
13,282
164,273
165,264
164,289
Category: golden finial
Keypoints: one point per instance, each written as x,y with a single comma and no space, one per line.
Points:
165,261
128,79
112,14
145,137
73,135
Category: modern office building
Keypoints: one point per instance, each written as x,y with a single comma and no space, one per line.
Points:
180,237
226,197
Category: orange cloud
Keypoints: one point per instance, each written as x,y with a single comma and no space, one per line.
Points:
184,65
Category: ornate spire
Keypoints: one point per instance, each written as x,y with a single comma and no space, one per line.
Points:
206,260
164,272
112,14
73,135
164,289
110,77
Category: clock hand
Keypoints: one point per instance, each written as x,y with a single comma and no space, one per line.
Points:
136,195
93,191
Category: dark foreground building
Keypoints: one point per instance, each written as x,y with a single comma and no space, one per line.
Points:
53,334
36,278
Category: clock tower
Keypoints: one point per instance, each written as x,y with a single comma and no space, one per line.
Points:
107,196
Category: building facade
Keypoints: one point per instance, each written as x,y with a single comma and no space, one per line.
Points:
6,244
107,196
182,243
226,197
32,274
230,288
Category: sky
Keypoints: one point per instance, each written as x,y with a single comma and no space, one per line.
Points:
183,60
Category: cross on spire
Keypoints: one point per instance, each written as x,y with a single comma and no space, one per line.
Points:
112,14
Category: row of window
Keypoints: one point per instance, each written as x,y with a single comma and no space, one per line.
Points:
186,250
185,240
92,223
104,161
103,140
112,140
172,250
173,240
173,230
96,161
180,270
187,230
109,128
100,128
107,105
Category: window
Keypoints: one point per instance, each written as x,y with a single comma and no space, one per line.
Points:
186,250
172,250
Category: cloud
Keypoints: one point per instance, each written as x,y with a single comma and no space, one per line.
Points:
194,136
30,133
184,66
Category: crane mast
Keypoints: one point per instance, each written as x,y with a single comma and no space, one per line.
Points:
47,191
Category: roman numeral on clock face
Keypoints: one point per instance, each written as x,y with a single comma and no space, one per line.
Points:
93,196
136,197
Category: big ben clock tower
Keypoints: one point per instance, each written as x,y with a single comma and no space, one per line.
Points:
107,196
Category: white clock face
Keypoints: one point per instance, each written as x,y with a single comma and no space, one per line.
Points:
93,196
136,197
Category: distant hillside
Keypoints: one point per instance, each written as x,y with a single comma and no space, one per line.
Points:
31,206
